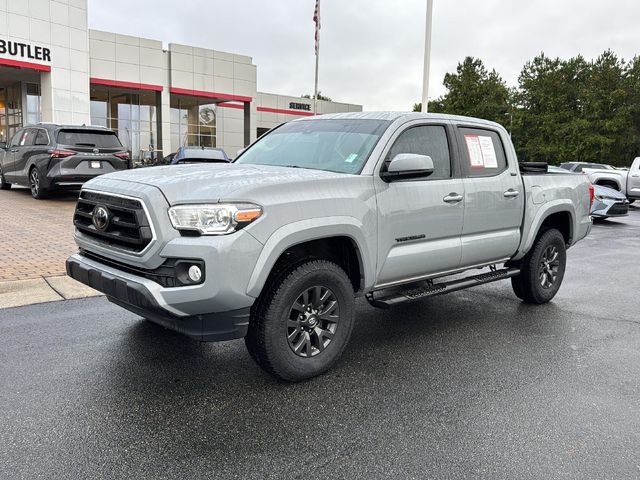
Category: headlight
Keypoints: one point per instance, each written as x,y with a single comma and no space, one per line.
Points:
215,219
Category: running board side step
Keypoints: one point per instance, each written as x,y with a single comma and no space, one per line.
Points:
433,289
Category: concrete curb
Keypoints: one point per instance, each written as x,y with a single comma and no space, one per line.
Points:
18,293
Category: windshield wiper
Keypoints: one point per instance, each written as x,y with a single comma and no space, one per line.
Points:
85,144
298,166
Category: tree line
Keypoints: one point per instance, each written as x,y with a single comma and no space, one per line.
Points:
560,111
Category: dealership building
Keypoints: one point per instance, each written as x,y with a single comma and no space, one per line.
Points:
53,68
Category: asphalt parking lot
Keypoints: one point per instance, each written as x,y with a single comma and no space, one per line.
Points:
470,385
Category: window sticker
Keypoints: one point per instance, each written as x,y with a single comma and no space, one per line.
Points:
482,153
475,151
351,158
488,152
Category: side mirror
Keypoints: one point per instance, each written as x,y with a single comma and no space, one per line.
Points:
3,145
406,166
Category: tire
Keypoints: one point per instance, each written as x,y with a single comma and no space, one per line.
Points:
3,183
291,342
35,184
542,269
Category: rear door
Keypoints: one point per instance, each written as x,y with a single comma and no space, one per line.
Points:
420,220
494,196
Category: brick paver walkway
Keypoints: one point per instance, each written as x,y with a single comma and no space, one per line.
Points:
36,236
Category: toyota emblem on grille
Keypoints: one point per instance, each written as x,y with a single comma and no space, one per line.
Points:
96,150
100,218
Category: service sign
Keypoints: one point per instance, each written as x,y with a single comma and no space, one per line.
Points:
24,51
300,106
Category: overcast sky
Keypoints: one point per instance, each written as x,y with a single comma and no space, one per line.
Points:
371,51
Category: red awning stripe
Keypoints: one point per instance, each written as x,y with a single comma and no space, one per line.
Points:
231,105
19,64
285,112
202,93
118,83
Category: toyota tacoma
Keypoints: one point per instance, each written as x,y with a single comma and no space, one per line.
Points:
276,246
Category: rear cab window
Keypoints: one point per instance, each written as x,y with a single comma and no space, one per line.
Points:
483,154
88,139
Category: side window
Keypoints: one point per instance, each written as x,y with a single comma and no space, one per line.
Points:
483,154
15,141
29,137
42,138
428,140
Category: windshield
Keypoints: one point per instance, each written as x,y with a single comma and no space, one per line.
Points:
341,145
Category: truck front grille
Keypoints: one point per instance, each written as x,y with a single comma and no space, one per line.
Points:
126,226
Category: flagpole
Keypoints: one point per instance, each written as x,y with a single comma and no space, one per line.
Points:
315,94
427,57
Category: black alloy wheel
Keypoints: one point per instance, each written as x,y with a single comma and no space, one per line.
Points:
302,321
35,184
313,319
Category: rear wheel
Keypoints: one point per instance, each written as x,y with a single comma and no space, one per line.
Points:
35,184
301,325
3,183
542,269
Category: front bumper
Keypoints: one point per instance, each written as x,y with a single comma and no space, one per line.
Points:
608,207
145,298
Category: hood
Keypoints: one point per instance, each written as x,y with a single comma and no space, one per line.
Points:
212,182
607,192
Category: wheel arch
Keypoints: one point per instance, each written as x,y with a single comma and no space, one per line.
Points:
559,215
339,239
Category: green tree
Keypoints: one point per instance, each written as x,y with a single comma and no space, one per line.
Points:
474,91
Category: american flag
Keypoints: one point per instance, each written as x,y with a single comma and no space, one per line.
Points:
316,19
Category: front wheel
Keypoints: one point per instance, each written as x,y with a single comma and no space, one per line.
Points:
35,184
3,183
301,324
542,269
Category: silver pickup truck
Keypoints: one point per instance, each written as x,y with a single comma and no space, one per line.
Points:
274,247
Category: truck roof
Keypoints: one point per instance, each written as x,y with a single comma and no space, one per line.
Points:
393,116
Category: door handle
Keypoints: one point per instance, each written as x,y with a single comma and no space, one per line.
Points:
636,175
453,197
511,193
14,150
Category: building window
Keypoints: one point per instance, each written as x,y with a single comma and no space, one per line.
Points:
193,122
34,108
132,115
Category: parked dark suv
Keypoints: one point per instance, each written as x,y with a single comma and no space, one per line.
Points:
48,156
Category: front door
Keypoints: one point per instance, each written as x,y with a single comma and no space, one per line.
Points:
420,221
24,151
494,197
9,163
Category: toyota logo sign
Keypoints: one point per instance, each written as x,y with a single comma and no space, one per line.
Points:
100,216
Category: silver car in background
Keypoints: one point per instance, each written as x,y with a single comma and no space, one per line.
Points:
609,203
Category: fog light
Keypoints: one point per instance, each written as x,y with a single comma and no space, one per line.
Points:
195,274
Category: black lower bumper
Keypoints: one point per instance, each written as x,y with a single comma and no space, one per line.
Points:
135,297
